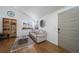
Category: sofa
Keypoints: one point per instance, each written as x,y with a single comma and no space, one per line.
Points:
38,35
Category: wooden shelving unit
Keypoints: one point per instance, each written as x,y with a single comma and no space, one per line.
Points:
9,27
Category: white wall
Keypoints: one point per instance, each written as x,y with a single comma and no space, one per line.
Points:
51,27
19,16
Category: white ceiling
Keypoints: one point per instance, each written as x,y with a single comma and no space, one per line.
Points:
37,12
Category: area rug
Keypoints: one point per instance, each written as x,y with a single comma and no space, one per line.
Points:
22,43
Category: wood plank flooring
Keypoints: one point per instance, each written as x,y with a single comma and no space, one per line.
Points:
5,45
44,47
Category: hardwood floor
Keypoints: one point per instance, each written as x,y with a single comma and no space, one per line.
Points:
5,45
44,47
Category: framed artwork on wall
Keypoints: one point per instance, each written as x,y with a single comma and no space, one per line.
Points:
26,26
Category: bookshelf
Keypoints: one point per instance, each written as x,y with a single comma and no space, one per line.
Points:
9,27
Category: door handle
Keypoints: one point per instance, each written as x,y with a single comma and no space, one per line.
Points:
58,29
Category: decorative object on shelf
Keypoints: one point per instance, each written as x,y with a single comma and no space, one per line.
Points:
42,23
10,13
36,27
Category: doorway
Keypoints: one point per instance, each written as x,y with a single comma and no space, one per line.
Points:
68,34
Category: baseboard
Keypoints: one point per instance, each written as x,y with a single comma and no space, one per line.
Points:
63,49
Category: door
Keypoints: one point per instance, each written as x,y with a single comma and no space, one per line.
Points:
68,24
